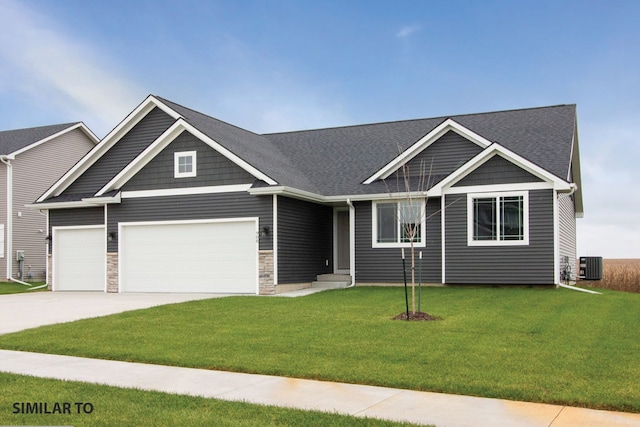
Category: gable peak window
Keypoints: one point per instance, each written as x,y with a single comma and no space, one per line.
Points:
498,219
398,223
184,164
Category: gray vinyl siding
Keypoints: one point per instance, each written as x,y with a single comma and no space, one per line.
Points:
384,265
305,240
192,207
439,159
528,265
212,168
76,216
567,229
34,171
122,153
497,170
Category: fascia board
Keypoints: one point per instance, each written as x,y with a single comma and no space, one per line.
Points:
313,197
60,205
107,142
424,142
577,173
80,126
288,191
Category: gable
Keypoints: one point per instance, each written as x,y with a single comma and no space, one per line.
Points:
440,159
123,152
497,170
213,169
434,135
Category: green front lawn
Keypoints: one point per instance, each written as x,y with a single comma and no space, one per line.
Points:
112,406
16,288
544,345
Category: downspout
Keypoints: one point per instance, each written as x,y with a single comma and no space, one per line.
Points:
574,187
7,161
352,243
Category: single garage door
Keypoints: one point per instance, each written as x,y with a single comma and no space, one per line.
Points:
79,259
197,256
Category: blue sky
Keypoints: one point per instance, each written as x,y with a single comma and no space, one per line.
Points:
284,65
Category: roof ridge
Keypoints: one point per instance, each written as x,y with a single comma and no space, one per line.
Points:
441,118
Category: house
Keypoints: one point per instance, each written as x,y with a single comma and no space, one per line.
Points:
32,160
184,202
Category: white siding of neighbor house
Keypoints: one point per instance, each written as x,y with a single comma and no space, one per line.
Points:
3,220
34,171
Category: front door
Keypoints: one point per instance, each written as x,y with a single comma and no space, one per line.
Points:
344,260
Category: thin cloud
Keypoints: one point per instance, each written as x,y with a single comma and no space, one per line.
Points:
54,66
406,31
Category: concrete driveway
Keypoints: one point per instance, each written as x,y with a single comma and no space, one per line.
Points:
30,310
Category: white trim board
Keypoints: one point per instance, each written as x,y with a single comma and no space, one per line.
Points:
183,191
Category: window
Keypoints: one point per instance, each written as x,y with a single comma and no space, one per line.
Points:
498,219
396,224
184,164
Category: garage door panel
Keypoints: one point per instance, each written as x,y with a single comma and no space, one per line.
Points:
79,259
189,257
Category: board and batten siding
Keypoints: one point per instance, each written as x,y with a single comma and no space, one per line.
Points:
192,207
439,159
384,265
497,170
122,153
532,264
305,240
567,230
212,168
34,171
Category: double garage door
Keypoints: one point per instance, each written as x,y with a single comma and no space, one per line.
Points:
195,256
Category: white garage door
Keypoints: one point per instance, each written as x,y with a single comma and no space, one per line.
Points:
79,259
215,256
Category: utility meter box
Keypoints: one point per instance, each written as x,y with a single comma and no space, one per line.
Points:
19,255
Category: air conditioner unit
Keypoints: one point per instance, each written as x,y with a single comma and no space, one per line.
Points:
591,268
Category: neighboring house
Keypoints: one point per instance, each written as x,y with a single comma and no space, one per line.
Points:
183,202
31,161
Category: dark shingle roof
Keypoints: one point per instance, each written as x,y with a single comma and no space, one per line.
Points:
257,150
14,140
338,160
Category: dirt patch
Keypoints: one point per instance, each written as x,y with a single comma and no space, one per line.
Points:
418,315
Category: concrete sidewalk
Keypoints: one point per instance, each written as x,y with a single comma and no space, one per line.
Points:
363,401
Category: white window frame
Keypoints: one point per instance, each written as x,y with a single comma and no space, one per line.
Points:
498,195
374,225
176,164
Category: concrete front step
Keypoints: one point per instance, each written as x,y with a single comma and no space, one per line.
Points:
334,278
330,285
332,281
